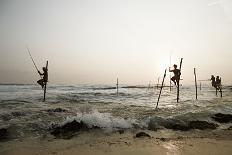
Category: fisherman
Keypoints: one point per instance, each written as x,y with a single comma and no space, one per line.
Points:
218,82
43,81
213,81
176,77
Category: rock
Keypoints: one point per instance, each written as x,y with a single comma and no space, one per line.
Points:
68,130
3,133
142,134
121,131
176,124
17,114
230,128
56,110
164,139
201,125
158,122
222,118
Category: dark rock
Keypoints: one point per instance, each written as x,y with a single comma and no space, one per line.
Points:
201,125
3,133
68,130
164,139
17,114
121,131
158,122
222,118
230,128
142,134
176,124
56,110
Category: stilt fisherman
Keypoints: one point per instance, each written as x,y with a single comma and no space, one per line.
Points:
44,78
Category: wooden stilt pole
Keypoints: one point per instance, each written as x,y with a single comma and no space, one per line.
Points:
45,84
200,85
170,84
170,81
161,88
178,83
158,83
117,85
149,85
221,87
195,81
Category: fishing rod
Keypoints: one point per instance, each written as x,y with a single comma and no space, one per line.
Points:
33,61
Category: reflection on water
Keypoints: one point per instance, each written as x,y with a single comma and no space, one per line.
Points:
172,148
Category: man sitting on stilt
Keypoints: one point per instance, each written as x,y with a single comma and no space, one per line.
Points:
176,77
45,77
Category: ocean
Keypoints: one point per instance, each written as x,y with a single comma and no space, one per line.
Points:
24,114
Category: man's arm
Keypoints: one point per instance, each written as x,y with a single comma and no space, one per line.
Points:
170,70
40,73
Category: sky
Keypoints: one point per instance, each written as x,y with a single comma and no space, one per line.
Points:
98,41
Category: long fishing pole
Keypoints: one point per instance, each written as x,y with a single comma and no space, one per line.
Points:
33,61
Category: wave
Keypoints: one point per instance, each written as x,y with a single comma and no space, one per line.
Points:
101,120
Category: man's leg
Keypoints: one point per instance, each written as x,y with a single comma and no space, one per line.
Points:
41,82
173,80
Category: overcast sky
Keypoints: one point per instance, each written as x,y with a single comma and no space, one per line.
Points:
96,41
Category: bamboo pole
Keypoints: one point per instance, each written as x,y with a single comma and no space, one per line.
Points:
216,91
195,81
221,87
149,85
170,81
161,88
158,83
178,83
117,85
45,85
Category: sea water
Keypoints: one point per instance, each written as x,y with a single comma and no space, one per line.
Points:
24,114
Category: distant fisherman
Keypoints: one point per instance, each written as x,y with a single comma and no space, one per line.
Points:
45,77
176,77
213,82
218,82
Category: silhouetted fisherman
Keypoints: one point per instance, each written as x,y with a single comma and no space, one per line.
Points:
45,77
213,81
176,77
218,82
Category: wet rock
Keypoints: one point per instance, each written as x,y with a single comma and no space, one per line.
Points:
121,131
142,134
164,139
230,128
18,114
201,125
69,129
222,118
176,124
56,110
3,133
158,122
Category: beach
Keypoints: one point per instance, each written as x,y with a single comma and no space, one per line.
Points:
96,142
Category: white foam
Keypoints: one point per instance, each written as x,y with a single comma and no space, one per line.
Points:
102,120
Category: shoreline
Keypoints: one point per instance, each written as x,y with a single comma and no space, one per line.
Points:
99,142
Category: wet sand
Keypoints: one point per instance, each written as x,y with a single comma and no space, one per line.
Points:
162,142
